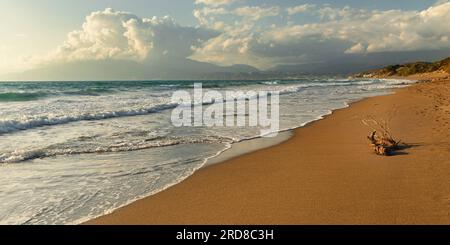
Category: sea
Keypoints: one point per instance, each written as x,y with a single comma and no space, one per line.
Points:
73,151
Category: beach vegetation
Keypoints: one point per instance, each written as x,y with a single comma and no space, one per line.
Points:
442,66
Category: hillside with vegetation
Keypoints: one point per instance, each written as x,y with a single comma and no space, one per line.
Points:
408,69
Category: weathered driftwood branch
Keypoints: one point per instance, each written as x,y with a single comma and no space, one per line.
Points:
383,143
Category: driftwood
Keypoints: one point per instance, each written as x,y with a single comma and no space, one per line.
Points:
381,139
383,145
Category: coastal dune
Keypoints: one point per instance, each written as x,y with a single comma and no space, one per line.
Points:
326,173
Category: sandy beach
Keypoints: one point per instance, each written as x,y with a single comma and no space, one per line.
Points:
326,173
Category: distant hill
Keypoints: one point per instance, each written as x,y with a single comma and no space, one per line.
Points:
131,70
353,63
187,69
408,69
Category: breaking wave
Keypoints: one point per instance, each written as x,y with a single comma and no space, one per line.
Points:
125,146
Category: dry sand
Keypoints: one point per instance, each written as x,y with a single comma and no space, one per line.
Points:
325,174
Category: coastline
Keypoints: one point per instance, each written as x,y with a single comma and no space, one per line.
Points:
249,146
324,174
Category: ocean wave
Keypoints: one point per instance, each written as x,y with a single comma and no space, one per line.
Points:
384,84
270,82
9,126
30,122
21,96
303,86
125,146
87,92
374,84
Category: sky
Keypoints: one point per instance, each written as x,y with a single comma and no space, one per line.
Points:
260,33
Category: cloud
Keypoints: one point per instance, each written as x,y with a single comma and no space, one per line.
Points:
357,48
203,16
239,29
209,16
120,35
299,9
261,36
257,13
108,34
336,32
214,2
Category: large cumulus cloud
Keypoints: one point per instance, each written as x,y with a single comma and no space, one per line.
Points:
113,34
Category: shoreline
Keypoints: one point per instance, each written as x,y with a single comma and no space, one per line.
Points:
248,146
140,212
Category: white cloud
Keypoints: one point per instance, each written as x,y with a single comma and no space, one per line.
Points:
357,48
203,15
300,9
208,16
108,34
113,34
257,13
238,27
375,31
214,2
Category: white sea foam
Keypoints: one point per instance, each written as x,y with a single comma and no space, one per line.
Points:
65,150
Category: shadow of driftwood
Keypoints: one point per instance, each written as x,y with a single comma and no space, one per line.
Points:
403,147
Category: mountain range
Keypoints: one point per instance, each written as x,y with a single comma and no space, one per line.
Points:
195,70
